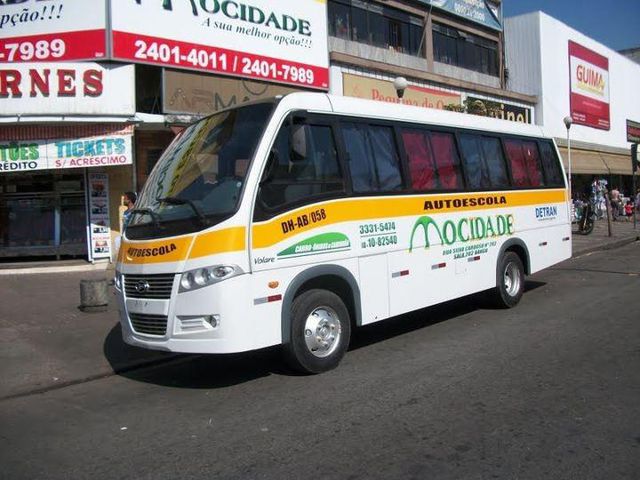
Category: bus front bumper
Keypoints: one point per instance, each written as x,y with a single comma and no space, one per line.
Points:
213,319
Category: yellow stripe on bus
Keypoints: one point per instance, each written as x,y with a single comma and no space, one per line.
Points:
219,241
303,219
157,251
176,250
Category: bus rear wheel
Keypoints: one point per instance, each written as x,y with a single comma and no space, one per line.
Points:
320,332
509,281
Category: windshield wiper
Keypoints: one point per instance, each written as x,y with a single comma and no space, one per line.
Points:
145,211
183,201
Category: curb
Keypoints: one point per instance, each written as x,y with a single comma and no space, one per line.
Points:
606,246
131,367
97,267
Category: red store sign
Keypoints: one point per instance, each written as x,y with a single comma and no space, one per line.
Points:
67,89
589,74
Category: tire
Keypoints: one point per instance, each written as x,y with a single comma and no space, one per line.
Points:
319,333
509,281
588,226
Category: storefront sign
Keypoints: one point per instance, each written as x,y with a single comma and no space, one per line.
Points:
633,132
197,93
30,155
589,87
67,89
384,91
52,30
100,234
484,12
283,41
505,111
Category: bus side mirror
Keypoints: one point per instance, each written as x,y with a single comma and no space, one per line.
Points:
298,142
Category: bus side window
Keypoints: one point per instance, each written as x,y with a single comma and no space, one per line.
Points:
303,163
422,167
373,158
551,165
495,161
532,159
447,160
525,163
474,165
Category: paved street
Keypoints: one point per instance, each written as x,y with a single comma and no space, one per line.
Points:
550,389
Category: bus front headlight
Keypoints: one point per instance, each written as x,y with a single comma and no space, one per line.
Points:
204,276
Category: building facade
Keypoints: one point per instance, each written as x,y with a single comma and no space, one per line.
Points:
451,53
91,95
575,76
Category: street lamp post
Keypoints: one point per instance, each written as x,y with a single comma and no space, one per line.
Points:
567,123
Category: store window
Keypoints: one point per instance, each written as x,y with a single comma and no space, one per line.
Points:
42,214
375,25
465,50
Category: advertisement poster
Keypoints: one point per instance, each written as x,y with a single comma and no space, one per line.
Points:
99,215
589,74
67,88
188,92
633,131
487,13
283,41
30,155
384,91
52,30
505,111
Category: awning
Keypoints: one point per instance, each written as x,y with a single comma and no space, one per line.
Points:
584,162
617,164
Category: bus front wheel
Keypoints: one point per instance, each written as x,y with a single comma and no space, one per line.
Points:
320,332
509,281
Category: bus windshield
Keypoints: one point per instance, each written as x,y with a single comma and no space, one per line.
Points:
199,178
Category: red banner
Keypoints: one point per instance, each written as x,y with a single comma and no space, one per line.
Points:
589,74
54,47
162,51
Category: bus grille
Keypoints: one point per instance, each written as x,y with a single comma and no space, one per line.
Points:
148,286
149,324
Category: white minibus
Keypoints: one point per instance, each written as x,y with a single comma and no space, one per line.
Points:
295,220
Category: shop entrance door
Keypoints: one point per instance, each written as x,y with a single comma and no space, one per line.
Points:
42,215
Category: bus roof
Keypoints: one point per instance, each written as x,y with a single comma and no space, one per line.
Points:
358,107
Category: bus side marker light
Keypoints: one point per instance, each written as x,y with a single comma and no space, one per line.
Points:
269,299
543,244
273,284
402,273
438,266
566,239
474,259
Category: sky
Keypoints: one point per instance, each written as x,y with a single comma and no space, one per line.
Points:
614,23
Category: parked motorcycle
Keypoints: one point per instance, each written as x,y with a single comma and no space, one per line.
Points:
585,218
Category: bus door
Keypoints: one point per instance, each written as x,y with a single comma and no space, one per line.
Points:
293,224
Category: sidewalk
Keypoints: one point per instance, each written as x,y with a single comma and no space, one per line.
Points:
622,232
46,342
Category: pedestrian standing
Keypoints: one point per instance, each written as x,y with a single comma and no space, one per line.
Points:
130,202
615,203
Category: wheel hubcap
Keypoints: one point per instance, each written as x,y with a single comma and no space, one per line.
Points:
322,331
512,279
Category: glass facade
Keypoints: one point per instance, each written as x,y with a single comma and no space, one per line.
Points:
43,214
376,25
462,49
